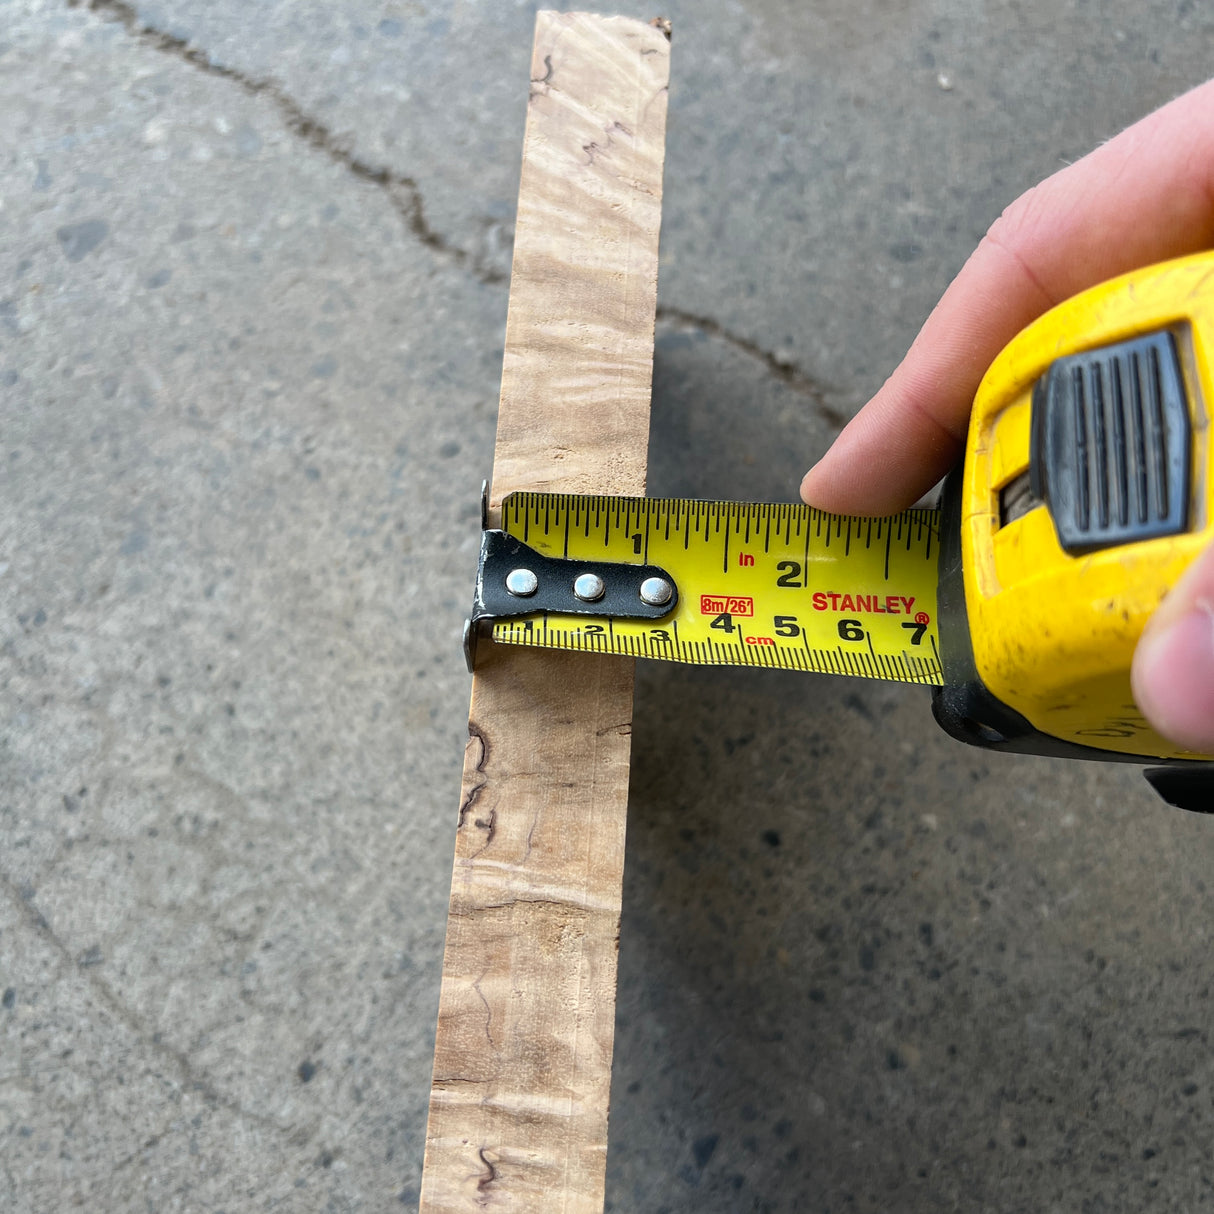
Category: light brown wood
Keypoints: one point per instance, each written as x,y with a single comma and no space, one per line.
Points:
522,1061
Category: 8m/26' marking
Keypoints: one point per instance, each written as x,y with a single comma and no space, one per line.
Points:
715,604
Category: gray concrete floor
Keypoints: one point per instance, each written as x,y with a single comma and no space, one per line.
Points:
253,266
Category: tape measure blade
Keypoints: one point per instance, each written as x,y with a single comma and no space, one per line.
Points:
768,585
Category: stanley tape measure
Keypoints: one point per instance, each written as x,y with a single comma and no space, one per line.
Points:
1084,493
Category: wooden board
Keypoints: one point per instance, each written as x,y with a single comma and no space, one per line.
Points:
522,1060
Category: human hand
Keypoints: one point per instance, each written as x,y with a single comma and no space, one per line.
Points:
1145,196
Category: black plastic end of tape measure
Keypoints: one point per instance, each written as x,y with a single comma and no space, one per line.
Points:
1185,787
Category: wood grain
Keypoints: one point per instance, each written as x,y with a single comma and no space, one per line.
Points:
522,1061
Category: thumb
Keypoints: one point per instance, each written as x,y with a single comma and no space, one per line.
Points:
1173,671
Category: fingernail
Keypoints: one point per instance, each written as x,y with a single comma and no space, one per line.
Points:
807,484
1173,678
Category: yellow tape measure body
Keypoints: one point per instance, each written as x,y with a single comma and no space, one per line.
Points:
772,585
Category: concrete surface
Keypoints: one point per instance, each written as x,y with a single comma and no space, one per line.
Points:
252,291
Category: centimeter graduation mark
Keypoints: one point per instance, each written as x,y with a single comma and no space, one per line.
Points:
901,668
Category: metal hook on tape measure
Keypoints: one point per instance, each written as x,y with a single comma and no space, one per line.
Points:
513,580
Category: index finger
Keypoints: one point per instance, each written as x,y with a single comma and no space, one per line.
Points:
1145,196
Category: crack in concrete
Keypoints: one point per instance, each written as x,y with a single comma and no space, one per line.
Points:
406,195
23,902
403,191
786,371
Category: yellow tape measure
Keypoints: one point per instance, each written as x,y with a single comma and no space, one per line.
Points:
758,585
1086,490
